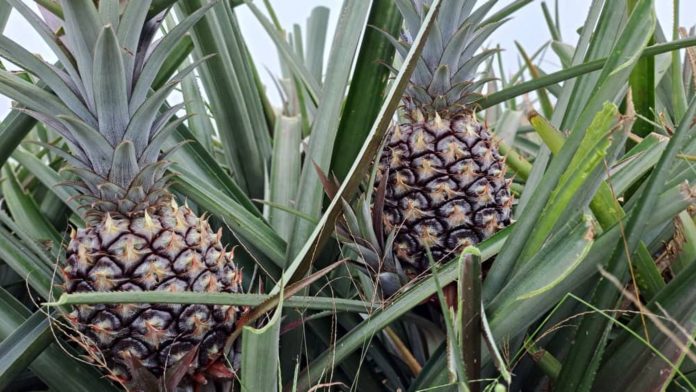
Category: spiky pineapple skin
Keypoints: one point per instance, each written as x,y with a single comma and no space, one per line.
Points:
446,187
171,250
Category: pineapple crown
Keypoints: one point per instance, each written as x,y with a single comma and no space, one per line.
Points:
101,97
365,239
444,80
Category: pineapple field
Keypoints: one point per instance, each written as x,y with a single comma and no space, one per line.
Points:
400,207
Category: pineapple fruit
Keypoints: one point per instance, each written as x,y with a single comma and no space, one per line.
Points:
445,185
136,237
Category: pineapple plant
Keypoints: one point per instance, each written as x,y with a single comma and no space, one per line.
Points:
446,187
136,237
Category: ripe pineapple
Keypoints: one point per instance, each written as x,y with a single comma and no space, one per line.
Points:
446,184
136,238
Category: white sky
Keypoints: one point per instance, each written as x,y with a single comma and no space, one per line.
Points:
528,27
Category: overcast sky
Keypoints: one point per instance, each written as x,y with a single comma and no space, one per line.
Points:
527,27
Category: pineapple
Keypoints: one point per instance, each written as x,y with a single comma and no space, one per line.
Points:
136,237
446,185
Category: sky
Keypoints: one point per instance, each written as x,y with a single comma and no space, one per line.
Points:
527,27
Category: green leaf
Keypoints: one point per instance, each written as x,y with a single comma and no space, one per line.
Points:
55,367
24,263
285,173
604,205
20,348
5,10
455,361
81,24
325,125
30,95
174,61
635,364
290,59
573,72
110,95
317,24
193,160
129,29
48,177
638,161
470,314
260,354
92,143
687,256
648,276
564,52
26,212
238,299
367,87
642,84
109,12
49,37
549,267
228,81
199,122
588,346
678,94
124,167
159,55
14,127
544,100
50,75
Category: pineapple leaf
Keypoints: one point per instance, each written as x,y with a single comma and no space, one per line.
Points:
129,29
109,11
81,23
53,77
54,366
236,100
124,166
23,262
30,95
26,212
143,121
551,265
317,24
588,156
48,177
110,95
368,85
290,58
325,125
611,80
670,203
25,343
98,150
159,54
50,38
260,353
573,72
14,127
152,151
238,299
285,172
